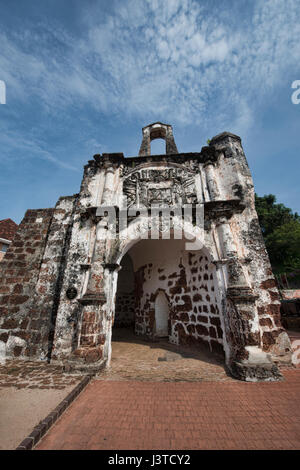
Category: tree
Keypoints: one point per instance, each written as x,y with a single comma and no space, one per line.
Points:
281,231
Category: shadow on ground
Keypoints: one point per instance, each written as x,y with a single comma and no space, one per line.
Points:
135,358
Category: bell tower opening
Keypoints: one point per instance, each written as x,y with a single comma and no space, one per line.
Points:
158,147
157,130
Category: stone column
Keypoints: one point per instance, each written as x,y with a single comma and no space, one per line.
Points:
170,141
211,181
108,190
145,149
94,337
95,283
236,276
247,360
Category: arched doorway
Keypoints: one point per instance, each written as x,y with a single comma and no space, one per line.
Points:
162,311
177,310
176,293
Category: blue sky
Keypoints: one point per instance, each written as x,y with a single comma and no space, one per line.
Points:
85,77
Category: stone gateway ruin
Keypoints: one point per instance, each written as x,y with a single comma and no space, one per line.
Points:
74,272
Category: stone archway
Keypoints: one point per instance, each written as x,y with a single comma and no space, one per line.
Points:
177,294
179,286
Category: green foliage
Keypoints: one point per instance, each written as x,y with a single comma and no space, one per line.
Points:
281,232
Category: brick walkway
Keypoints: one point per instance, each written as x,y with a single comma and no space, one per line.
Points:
181,415
28,392
135,359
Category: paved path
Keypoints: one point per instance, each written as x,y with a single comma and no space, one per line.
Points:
135,359
181,415
28,392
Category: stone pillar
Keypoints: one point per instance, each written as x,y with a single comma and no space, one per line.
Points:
145,149
170,141
93,349
108,190
211,181
236,276
247,360
95,283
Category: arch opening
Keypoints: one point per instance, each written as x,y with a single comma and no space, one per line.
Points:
158,146
157,132
175,294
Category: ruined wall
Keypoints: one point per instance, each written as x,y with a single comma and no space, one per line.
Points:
125,309
31,279
19,274
59,277
42,314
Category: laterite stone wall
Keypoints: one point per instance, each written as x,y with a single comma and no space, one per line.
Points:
19,274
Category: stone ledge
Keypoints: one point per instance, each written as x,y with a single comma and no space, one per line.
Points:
222,136
267,372
92,299
223,208
241,294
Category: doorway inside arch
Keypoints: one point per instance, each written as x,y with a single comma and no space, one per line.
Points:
162,312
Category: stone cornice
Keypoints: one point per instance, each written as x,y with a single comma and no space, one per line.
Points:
241,294
208,154
224,136
223,208
92,299
111,266
212,210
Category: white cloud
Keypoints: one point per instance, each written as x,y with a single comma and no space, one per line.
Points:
14,146
175,59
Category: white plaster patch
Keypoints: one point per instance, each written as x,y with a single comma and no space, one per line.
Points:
2,352
12,342
256,356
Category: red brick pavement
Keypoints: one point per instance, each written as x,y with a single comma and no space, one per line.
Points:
181,415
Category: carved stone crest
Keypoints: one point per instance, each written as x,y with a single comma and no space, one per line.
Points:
168,186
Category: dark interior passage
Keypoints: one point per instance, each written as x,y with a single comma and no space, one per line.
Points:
125,297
